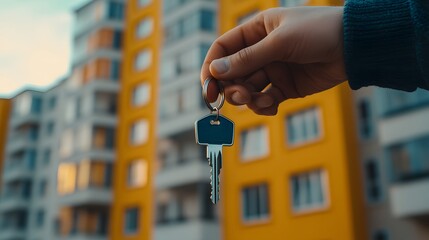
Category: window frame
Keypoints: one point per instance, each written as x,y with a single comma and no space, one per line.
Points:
267,152
260,218
306,142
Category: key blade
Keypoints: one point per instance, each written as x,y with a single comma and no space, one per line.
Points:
215,162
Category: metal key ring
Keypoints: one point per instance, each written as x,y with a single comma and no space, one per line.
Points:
221,93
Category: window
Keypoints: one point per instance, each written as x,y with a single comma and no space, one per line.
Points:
31,158
115,70
292,3
66,176
116,10
254,143
139,132
168,69
22,104
143,3
46,156
103,137
143,60
255,202
309,191
52,103
42,187
117,39
372,176
131,223
40,217
365,119
49,128
303,126
144,28
141,94
380,235
207,18
66,143
137,173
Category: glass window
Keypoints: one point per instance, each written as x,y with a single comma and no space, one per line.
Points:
139,132
255,202
254,143
137,173
168,69
189,60
292,3
52,103
49,128
36,106
116,10
132,218
143,60
303,126
309,191
141,94
66,144
372,177
144,28
207,20
365,119
42,187
22,104
115,70
67,174
117,39
189,96
40,217
46,156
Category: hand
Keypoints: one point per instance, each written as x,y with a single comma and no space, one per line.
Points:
279,54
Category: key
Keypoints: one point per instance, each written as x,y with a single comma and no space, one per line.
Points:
214,131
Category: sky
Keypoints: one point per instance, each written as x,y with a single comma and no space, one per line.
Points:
35,43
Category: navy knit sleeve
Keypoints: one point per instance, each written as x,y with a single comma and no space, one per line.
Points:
386,43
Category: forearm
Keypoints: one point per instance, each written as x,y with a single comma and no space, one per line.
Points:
383,45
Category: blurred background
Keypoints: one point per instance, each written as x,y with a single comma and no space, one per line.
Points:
97,135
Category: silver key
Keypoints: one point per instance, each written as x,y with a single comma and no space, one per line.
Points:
214,131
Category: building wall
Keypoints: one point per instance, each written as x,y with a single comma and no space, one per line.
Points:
4,118
140,196
335,152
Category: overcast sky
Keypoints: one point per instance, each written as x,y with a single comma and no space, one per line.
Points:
35,42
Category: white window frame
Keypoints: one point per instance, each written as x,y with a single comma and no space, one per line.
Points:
320,126
265,137
324,180
261,218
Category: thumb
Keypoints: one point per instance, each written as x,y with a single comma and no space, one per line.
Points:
245,61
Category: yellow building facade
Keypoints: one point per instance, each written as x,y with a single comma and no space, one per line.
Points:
295,175
4,119
132,208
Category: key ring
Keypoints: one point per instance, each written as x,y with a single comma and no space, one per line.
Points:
221,93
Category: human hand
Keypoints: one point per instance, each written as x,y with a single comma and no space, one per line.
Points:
279,54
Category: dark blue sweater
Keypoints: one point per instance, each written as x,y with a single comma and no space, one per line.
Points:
386,43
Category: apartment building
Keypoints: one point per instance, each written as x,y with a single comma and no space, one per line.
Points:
4,119
57,181
393,137
160,166
136,139
292,176
86,151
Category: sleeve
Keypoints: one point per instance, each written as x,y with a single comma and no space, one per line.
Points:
386,43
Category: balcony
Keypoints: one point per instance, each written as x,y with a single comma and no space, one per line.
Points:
107,155
13,202
89,196
181,174
17,171
8,233
410,199
29,118
180,122
401,128
190,230
20,142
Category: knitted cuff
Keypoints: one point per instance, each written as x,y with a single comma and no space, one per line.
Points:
379,44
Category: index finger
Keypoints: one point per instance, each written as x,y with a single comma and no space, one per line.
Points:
231,42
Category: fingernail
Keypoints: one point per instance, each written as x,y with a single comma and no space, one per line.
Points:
220,65
264,102
238,98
